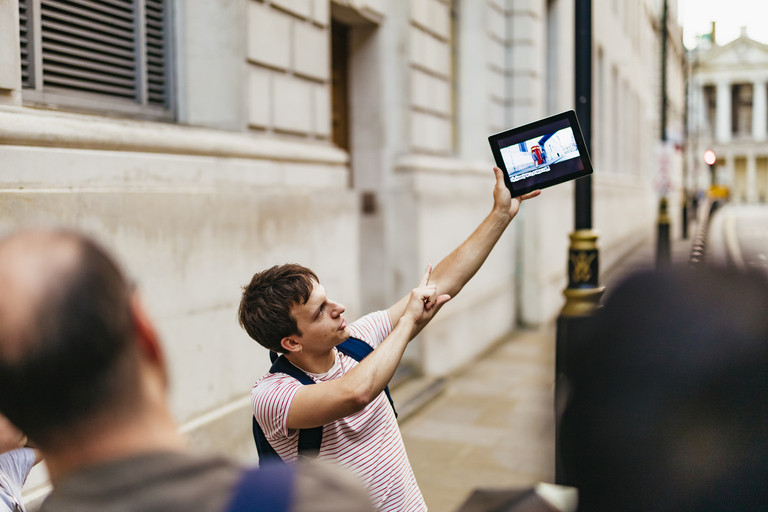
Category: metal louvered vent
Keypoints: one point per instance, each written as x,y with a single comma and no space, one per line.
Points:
83,52
26,77
90,46
156,69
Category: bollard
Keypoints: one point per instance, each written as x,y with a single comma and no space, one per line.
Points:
663,249
582,298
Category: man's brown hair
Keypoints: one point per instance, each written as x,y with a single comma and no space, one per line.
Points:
265,308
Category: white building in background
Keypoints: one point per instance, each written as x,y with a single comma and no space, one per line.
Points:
729,114
207,140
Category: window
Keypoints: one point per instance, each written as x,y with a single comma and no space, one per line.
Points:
340,84
110,56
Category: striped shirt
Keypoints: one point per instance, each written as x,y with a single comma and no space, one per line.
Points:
368,443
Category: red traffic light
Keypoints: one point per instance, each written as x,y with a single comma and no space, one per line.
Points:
710,157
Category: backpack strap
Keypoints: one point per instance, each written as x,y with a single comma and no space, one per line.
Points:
309,438
357,349
265,489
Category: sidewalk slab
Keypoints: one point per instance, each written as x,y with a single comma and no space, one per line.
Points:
492,426
643,257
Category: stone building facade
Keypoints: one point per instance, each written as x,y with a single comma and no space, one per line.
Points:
206,140
729,115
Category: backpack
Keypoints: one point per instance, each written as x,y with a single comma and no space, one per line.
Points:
309,438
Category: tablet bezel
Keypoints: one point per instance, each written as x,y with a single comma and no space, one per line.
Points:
573,122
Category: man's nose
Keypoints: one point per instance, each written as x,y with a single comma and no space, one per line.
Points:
338,309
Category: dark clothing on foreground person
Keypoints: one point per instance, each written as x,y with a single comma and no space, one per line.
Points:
176,482
82,373
668,407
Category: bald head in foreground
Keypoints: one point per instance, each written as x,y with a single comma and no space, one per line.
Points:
82,373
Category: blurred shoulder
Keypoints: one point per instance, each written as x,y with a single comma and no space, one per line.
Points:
322,487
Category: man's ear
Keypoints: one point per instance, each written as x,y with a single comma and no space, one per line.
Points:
290,345
147,339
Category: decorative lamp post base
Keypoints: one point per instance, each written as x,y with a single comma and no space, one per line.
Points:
582,300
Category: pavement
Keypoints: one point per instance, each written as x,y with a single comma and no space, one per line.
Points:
492,425
738,237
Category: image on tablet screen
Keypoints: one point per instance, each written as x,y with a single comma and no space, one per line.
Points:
537,156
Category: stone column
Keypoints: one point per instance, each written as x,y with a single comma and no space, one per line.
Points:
723,130
751,177
725,170
700,115
10,59
759,111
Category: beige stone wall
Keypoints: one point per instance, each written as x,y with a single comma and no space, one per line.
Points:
190,229
431,74
289,67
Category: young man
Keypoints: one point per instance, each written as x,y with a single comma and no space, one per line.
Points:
287,310
82,373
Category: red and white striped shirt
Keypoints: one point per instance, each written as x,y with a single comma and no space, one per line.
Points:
368,443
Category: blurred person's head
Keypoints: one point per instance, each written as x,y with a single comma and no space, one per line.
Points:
79,359
669,396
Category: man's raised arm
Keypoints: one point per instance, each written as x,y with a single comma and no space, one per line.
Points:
456,269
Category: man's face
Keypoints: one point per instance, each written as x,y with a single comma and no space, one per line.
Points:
320,321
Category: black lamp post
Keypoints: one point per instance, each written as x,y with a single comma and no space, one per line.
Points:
583,293
663,249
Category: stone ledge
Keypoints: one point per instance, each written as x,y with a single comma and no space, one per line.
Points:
425,163
412,396
29,127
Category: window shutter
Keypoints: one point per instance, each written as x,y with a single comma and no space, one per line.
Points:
156,52
92,50
89,45
24,23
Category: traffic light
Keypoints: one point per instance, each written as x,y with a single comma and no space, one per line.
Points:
710,158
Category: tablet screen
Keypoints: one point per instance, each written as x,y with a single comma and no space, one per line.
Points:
541,154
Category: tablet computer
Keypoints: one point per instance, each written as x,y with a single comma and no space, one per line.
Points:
541,154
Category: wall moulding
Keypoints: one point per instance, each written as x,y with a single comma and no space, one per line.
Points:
357,12
426,163
28,127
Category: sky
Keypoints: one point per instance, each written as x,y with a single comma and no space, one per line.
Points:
696,17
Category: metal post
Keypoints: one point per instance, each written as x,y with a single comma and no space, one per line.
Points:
663,250
663,246
664,72
686,131
583,293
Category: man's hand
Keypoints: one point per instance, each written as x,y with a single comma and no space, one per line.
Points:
503,202
10,437
423,301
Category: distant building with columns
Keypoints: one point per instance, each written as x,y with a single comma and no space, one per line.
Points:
728,114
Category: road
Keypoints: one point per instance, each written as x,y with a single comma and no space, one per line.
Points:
738,237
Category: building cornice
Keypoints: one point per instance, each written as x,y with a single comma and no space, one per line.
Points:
30,127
